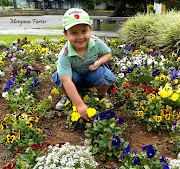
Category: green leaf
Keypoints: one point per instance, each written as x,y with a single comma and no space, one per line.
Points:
95,150
149,128
146,167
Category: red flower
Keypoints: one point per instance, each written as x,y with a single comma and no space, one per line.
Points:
148,91
132,85
114,90
10,166
19,40
19,149
47,145
125,86
127,96
36,146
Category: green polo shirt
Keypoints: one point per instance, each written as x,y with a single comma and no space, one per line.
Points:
69,60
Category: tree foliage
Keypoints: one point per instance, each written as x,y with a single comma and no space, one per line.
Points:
4,2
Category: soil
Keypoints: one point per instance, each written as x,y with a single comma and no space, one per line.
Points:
57,131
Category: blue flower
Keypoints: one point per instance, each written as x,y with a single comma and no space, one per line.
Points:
127,150
137,161
121,120
116,141
171,69
100,137
130,70
155,73
149,151
174,76
106,115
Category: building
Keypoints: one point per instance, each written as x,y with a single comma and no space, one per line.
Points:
56,4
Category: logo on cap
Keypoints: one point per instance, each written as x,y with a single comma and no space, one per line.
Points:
76,16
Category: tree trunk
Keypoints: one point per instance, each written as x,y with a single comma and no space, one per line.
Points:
120,9
145,6
15,4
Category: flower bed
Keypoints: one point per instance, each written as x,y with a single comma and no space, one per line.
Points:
147,89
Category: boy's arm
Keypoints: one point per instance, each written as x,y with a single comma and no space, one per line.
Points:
73,94
103,59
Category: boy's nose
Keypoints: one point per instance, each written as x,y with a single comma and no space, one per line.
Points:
80,35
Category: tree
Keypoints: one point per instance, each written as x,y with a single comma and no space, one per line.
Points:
15,4
4,3
120,5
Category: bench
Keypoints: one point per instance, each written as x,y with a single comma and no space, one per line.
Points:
97,21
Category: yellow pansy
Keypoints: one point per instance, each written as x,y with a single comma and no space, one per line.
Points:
152,96
91,112
158,118
22,117
36,119
74,108
1,127
37,130
85,98
28,124
173,54
174,113
31,42
174,97
67,102
1,62
144,107
167,116
175,81
10,138
75,116
55,91
19,136
156,78
162,112
92,89
140,113
104,100
162,78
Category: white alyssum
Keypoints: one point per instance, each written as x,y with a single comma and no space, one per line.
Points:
66,157
2,74
174,163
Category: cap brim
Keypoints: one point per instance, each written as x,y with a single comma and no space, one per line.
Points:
73,24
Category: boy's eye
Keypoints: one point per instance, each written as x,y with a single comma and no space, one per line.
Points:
73,33
84,31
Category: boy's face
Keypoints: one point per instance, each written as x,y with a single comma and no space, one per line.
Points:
79,36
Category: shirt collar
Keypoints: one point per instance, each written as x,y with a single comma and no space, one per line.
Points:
72,52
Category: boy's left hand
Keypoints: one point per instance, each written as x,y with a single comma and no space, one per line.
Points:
94,66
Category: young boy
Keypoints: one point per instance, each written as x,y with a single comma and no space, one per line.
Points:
81,62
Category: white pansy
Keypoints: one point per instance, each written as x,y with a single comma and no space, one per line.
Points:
4,94
123,68
2,74
19,90
128,63
47,67
121,75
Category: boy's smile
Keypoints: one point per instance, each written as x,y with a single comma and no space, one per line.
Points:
79,36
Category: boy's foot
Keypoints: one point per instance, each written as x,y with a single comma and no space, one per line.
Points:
105,99
63,102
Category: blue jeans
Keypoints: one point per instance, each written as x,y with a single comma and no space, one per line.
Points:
91,79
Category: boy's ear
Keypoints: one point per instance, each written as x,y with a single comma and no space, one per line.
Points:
65,33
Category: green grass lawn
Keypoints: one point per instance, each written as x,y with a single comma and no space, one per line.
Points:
104,27
13,38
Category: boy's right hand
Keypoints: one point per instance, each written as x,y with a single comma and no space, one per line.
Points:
82,111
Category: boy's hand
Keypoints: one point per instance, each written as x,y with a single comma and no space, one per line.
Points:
94,66
82,111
